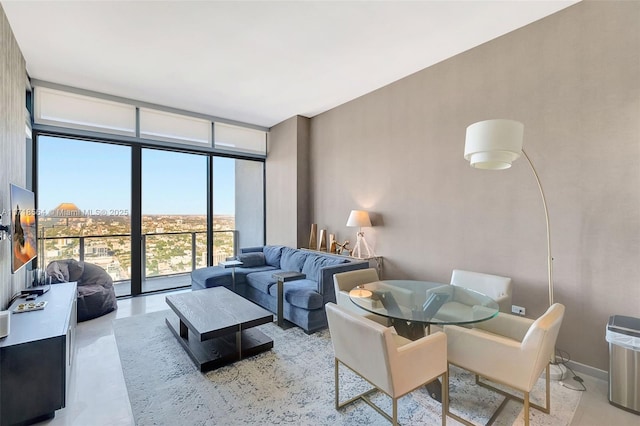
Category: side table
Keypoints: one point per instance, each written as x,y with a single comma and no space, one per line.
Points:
283,277
231,264
374,262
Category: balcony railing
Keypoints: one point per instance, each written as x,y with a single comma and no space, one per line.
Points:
161,251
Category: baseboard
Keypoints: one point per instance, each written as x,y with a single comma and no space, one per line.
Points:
587,369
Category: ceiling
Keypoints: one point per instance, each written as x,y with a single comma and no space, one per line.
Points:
257,62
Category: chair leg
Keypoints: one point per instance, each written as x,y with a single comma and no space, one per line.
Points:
394,400
363,396
525,400
445,396
336,381
446,403
548,390
394,422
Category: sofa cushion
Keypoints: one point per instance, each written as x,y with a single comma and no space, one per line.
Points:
272,255
292,260
314,263
262,280
251,260
211,276
300,293
242,273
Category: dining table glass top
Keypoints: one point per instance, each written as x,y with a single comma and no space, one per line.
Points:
424,302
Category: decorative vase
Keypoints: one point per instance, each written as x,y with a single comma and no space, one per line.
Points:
323,240
313,237
332,243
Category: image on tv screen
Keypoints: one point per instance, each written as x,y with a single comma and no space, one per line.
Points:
23,227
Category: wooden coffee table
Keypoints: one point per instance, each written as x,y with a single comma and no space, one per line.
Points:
215,325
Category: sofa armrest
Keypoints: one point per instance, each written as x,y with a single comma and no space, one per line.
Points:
251,249
326,287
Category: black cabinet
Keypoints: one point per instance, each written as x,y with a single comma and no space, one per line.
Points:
36,358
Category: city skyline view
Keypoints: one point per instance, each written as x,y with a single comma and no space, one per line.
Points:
173,244
99,180
84,195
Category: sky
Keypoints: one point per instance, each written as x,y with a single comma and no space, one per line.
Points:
97,177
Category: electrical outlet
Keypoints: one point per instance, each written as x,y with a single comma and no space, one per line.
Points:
518,310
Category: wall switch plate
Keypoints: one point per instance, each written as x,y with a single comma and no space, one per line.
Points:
518,310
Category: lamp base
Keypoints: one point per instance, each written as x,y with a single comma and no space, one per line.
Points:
357,252
557,372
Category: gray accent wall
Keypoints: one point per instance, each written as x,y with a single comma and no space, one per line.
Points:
573,79
13,146
287,183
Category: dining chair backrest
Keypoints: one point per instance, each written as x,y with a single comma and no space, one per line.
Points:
362,345
495,286
541,339
344,282
348,280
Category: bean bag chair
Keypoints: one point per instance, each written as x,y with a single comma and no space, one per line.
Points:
96,296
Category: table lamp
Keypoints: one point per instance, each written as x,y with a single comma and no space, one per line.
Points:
360,218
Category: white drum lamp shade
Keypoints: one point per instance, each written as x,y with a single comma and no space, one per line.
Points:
493,144
358,219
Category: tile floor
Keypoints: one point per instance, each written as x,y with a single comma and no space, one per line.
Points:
98,395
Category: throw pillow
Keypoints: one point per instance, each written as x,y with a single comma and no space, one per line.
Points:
313,266
251,260
292,259
272,255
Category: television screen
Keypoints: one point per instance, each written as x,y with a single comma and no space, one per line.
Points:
23,227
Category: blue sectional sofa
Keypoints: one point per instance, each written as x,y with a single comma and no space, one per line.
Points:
304,299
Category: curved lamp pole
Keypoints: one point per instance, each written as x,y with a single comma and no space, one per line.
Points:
546,217
494,145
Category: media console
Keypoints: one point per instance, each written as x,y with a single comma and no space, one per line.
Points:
36,357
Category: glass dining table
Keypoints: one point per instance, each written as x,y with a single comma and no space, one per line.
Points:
413,306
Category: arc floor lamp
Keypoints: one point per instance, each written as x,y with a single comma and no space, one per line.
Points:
494,145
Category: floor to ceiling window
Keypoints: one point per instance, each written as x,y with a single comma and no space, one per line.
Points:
174,216
143,191
85,192
84,197
223,207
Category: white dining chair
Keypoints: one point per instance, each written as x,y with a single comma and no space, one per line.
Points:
508,350
344,282
391,363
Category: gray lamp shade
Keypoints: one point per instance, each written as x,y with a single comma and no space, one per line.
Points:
493,144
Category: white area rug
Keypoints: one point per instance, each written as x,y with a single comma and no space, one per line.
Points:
291,384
